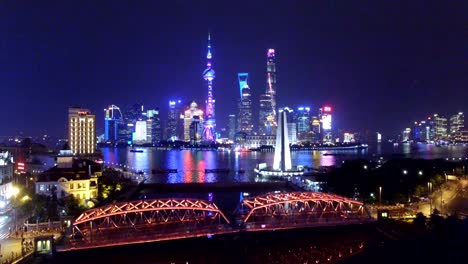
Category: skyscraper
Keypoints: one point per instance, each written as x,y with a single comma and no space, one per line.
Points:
174,127
232,126
82,130
243,78
112,120
153,126
244,122
267,114
210,121
303,123
457,123
292,125
326,121
193,115
440,127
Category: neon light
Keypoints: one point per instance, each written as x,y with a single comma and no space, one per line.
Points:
327,109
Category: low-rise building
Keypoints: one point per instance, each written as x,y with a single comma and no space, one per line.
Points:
71,176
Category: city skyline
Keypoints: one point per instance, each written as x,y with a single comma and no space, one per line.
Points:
147,61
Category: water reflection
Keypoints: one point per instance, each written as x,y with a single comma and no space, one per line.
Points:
191,165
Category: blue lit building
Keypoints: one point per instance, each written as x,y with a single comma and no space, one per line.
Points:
112,120
243,78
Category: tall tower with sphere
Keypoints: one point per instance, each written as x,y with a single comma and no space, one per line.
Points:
210,121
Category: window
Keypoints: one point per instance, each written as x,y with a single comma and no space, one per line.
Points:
71,186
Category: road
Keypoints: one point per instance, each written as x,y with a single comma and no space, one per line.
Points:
10,248
443,199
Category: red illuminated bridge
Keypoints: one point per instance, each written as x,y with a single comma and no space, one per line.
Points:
168,219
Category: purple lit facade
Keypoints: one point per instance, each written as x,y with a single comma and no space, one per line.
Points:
210,121
267,114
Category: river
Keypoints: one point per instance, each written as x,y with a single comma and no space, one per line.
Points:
191,164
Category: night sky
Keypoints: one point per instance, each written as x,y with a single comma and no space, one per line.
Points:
381,65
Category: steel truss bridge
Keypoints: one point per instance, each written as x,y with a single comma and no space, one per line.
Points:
169,219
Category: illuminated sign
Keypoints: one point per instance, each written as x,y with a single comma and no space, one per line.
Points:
21,167
326,122
327,109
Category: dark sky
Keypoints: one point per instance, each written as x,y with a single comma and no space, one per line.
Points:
380,64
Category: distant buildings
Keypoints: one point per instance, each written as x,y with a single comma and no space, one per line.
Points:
437,128
82,131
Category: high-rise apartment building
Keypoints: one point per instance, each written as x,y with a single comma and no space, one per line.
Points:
82,131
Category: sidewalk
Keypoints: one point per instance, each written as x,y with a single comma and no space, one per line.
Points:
11,250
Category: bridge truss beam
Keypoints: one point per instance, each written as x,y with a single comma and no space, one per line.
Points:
306,204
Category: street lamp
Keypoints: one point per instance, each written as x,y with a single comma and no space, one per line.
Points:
429,188
380,194
14,191
405,172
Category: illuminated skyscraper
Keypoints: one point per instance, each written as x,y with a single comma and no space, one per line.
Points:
210,121
440,127
326,121
193,115
457,123
243,78
304,124
153,126
112,120
244,119
82,130
174,125
292,125
267,114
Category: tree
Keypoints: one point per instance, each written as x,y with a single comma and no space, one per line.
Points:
72,206
420,191
420,220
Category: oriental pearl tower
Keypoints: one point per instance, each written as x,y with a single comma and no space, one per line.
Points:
210,122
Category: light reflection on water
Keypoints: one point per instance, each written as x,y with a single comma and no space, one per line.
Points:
191,165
